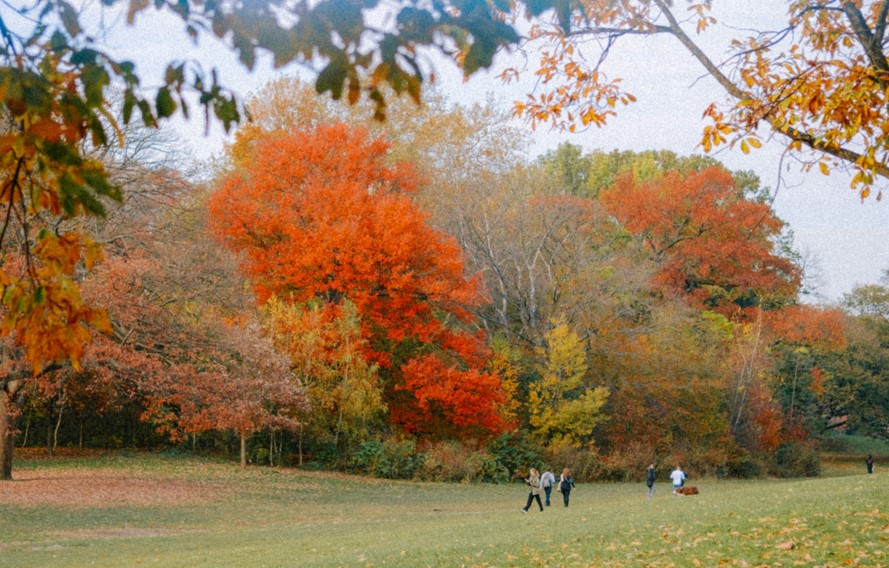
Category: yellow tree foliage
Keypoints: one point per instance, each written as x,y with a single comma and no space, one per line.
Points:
344,388
563,408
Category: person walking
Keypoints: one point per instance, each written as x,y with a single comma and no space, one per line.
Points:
649,480
546,483
534,481
566,484
869,462
678,477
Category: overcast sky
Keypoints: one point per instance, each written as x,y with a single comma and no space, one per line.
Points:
848,238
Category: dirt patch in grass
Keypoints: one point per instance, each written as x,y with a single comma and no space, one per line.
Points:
96,488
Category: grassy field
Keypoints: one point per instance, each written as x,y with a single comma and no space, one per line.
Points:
143,510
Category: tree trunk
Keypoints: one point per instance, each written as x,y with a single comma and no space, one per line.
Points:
271,447
7,428
243,450
49,416
299,445
55,432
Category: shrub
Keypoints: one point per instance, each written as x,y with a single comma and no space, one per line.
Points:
452,461
391,459
398,460
745,467
626,463
796,460
365,459
585,464
514,453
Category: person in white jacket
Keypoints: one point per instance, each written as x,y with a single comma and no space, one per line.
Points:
678,477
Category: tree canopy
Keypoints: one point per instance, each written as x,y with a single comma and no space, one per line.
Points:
818,79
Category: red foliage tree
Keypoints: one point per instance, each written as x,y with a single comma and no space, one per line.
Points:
322,215
713,244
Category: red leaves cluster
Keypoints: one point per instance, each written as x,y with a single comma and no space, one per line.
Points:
324,216
712,244
820,328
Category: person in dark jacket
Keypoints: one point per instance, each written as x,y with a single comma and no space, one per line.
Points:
649,480
869,462
566,484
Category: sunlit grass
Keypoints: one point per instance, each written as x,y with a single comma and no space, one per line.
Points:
265,517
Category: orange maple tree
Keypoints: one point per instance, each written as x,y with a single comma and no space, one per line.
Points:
712,243
322,215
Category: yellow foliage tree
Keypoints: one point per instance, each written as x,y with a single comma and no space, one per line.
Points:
563,408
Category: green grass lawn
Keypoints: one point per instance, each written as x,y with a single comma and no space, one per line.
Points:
210,513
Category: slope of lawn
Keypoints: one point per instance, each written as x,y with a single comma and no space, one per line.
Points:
147,510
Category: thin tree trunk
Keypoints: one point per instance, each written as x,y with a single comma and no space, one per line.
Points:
55,432
243,450
793,389
271,447
25,435
299,445
49,416
7,428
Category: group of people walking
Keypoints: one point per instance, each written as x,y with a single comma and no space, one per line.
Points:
545,483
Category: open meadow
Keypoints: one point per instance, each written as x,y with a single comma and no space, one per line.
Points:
147,510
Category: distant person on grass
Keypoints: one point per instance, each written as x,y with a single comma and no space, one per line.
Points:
649,480
546,483
534,481
566,484
678,477
869,462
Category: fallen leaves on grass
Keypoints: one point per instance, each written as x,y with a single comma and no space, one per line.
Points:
786,545
98,488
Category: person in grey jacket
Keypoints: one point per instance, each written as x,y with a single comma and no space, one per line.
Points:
546,483
534,481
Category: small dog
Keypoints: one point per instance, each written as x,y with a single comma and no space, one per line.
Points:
689,490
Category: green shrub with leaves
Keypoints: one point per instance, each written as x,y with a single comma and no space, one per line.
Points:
796,460
748,466
515,452
390,459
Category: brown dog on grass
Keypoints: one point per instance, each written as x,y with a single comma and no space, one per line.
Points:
689,490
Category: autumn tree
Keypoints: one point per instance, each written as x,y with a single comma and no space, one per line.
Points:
458,150
321,215
329,357
244,385
712,243
55,80
817,79
564,407
667,377
855,393
586,174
